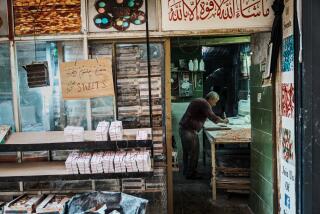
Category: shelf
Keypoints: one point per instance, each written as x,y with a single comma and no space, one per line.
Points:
196,72
143,191
70,191
41,171
120,76
233,183
42,141
234,172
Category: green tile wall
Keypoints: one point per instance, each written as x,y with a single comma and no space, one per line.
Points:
261,197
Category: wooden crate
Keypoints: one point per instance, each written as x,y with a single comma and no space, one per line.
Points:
52,204
133,184
23,204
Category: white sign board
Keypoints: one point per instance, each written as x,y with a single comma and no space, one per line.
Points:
286,148
216,14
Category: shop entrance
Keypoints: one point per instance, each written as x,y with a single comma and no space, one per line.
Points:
200,65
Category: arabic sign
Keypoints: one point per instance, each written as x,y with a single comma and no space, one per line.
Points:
216,14
87,78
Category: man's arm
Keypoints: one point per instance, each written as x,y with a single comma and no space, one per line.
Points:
214,118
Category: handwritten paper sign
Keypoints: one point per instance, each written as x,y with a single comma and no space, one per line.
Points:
216,14
87,78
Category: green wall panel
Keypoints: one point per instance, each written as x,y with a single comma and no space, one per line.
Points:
261,197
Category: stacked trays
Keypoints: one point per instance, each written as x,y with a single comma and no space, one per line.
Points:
133,89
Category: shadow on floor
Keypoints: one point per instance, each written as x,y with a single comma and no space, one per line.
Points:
194,196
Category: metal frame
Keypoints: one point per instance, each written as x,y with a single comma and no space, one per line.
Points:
298,118
168,124
276,108
308,110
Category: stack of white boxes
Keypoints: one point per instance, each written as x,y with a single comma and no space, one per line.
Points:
130,161
116,131
74,133
102,131
71,163
96,162
107,162
83,163
142,135
119,165
144,161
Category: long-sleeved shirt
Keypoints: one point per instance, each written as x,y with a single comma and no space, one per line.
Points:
197,113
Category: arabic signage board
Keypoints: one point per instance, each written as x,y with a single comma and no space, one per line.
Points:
190,15
87,78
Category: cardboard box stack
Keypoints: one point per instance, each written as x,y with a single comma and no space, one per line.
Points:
74,133
96,162
102,131
83,163
116,131
107,162
143,159
71,163
130,161
119,165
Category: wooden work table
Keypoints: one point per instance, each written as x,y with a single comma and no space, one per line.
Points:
226,134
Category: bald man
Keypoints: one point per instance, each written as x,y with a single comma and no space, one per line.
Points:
198,111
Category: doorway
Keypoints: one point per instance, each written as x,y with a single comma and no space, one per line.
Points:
200,65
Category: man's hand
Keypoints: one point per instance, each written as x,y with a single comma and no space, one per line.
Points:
226,121
223,120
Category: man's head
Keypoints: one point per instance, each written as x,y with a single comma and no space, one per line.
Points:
212,98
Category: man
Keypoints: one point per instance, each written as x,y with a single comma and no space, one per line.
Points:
198,111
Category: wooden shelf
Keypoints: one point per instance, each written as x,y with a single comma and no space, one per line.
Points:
42,141
233,183
234,172
41,171
143,191
120,76
195,72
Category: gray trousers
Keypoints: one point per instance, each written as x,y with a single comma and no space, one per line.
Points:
190,149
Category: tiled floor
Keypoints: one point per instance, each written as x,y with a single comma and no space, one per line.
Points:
194,197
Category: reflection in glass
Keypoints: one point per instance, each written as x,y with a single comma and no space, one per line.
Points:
43,109
102,108
35,103
6,108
